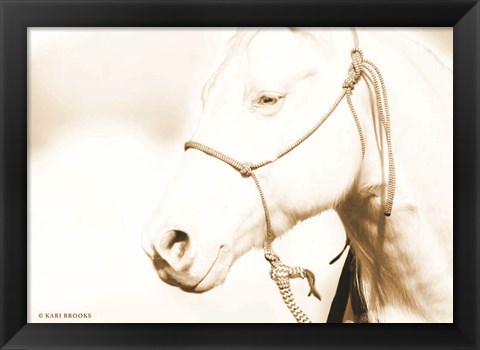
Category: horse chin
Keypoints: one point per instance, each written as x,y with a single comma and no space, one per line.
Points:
210,281
216,274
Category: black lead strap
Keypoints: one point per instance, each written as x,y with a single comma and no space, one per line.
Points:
347,243
340,300
348,285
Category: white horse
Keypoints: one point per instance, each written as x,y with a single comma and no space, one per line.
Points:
271,88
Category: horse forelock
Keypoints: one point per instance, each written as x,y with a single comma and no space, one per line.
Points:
238,42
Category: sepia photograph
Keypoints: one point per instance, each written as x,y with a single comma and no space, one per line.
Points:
240,175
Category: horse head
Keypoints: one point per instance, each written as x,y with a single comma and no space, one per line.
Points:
271,88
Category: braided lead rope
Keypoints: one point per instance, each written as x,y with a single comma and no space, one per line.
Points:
279,272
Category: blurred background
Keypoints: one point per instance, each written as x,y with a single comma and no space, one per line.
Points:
108,113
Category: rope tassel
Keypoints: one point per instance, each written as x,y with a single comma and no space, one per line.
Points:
358,67
384,113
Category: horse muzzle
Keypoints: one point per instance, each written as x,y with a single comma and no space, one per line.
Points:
175,259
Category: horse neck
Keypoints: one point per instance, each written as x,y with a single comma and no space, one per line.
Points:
394,254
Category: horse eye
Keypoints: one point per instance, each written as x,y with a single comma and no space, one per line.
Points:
267,100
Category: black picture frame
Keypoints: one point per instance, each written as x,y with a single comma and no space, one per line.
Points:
18,15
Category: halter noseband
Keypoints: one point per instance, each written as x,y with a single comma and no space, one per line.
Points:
279,272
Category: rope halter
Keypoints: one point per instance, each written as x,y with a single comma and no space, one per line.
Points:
279,272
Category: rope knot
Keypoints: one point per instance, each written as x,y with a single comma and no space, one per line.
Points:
281,274
271,257
354,71
357,60
246,169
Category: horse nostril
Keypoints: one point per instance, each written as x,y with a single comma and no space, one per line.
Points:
175,243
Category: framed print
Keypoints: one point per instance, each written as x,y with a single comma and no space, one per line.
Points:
207,174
